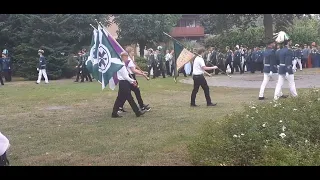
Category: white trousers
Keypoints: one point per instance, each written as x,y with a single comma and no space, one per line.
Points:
4,144
294,63
292,86
44,73
266,79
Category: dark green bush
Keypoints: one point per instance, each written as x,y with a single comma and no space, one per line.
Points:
142,63
253,137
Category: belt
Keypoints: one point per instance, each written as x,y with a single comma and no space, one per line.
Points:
282,65
198,75
266,64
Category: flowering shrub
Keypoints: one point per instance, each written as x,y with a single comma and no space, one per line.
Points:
284,132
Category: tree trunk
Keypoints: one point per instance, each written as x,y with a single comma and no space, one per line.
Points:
268,25
141,46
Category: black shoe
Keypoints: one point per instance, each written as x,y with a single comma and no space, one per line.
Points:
261,98
193,105
140,113
146,108
116,116
284,96
75,81
212,104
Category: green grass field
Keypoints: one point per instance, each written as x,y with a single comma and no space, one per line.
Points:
67,123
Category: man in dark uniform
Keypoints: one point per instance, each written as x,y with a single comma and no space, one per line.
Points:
213,60
297,57
254,59
237,60
285,69
1,70
79,66
151,63
305,56
7,65
270,66
229,59
259,63
161,63
220,62
85,73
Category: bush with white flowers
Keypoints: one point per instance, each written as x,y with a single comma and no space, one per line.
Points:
284,132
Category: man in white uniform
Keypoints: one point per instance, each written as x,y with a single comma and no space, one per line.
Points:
199,80
4,145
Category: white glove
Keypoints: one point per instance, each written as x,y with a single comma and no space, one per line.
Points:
270,74
37,69
287,74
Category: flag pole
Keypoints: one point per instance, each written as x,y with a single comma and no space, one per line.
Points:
103,27
93,27
195,54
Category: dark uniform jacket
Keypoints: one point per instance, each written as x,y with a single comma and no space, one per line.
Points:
270,61
42,63
285,58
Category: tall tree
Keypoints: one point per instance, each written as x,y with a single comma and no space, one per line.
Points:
58,34
223,22
144,28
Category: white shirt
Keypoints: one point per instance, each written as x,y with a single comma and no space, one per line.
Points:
197,66
130,65
4,144
124,75
168,56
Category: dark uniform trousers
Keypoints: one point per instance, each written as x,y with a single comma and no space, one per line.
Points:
168,68
154,68
7,75
304,62
1,80
199,80
124,94
161,70
85,74
237,66
136,91
3,160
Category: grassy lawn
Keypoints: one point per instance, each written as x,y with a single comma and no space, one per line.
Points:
67,123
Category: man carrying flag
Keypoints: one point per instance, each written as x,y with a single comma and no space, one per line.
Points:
199,80
131,67
124,93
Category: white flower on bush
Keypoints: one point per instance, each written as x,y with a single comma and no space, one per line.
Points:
283,128
306,141
318,99
282,135
271,102
280,121
235,136
311,101
257,111
242,134
252,107
247,115
264,125
275,105
295,109
252,117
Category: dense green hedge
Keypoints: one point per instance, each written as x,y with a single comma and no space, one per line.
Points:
303,31
271,133
142,63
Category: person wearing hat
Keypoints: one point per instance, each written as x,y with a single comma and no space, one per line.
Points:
42,67
297,57
229,59
131,67
270,66
285,66
79,66
124,92
161,63
237,60
313,53
7,65
4,146
305,56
